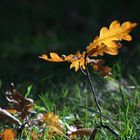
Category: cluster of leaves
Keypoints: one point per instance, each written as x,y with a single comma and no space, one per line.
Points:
18,113
17,104
18,117
107,42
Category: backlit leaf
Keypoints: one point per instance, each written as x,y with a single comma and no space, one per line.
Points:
54,57
108,40
77,61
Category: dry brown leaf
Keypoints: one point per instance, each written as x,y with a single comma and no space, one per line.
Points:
99,67
34,135
6,117
53,124
108,40
8,134
82,132
18,103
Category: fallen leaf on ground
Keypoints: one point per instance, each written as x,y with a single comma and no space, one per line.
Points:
53,124
80,133
18,103
6,117
8,134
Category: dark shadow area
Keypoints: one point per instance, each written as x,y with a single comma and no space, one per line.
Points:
30,28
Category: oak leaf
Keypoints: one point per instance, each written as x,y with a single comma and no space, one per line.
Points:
77,61
108,40
53,124
18,103
54,57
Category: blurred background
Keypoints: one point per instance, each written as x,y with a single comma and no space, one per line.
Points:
30,28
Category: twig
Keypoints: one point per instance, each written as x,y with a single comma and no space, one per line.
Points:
103,116
94,94
110,130
92,137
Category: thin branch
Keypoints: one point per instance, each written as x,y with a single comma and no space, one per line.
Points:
83,71
110,130
103,116
94,94
92,137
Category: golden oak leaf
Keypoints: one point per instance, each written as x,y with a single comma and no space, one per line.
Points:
78,61
108,40
54,57
8,134
53,123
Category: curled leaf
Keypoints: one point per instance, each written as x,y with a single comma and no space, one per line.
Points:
18,103
6,117
99,67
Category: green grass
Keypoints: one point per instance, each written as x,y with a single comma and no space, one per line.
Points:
120,106
68,95
74,103
54,87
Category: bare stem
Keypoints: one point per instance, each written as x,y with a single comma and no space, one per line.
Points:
86,72
111,130
94,94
